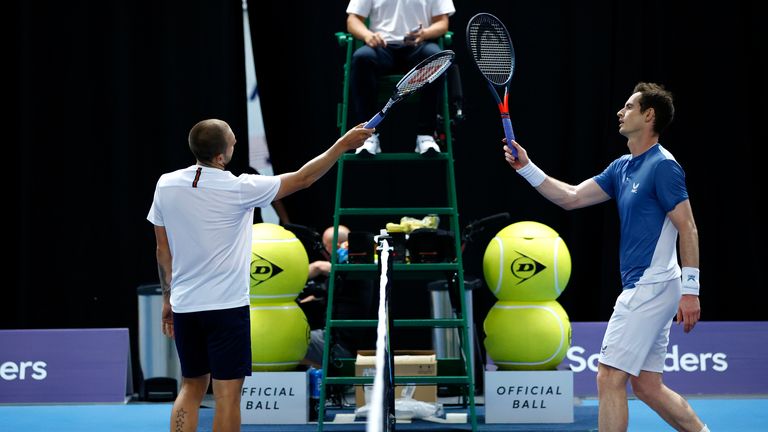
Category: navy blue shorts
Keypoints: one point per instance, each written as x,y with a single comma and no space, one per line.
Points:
216,342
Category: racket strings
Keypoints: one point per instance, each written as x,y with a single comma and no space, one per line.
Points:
491,49
424,74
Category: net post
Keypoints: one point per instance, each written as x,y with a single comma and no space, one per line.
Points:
381,416
389,415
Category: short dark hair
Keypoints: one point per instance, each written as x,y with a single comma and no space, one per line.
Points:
657,97
207,139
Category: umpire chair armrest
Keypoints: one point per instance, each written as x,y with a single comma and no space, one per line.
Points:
343,38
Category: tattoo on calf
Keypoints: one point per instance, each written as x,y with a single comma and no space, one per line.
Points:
180,415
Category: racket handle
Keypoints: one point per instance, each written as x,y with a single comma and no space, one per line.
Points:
509,133
372,123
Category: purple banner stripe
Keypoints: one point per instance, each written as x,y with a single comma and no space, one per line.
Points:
726,357
63,365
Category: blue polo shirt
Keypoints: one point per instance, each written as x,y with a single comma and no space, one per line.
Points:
646,188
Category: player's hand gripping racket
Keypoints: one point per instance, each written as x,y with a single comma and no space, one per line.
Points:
491,48
422,74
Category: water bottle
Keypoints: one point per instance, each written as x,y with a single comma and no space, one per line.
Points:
343,253
315,384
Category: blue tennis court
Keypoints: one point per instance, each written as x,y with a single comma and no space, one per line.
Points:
721,415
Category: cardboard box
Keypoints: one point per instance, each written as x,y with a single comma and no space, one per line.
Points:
407,363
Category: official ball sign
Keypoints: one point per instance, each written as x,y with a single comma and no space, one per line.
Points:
275,398
528,397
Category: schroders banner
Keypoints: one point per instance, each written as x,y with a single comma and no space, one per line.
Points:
726,357
64,365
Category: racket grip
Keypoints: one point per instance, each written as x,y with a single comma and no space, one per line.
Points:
373,122
509,133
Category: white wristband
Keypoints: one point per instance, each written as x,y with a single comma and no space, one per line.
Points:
533,174
691,280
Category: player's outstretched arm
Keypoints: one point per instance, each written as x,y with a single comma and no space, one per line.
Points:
317,167
567,196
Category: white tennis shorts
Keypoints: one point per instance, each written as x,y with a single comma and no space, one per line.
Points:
638,332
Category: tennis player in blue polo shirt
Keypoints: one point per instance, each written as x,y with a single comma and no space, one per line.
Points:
648,186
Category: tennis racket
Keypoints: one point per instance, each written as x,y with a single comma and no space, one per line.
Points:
493,54
422,74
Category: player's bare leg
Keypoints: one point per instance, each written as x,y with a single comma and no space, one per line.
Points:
186,407
613,411
669,405
227,395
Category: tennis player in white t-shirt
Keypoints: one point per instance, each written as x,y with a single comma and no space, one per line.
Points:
203,217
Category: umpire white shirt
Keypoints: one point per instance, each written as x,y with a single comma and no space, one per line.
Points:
208,216
394,19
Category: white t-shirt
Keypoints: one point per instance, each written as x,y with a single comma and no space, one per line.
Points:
395,18
208,216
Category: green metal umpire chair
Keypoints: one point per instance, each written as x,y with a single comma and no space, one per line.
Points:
453,370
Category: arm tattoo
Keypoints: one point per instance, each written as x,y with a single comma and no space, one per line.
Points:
166,287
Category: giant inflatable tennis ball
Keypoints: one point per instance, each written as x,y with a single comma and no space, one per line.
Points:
527,335
527,261
279,336
279,264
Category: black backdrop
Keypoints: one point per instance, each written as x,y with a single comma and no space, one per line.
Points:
104,94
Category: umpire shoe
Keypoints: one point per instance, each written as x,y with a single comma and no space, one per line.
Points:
370,147
426,145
